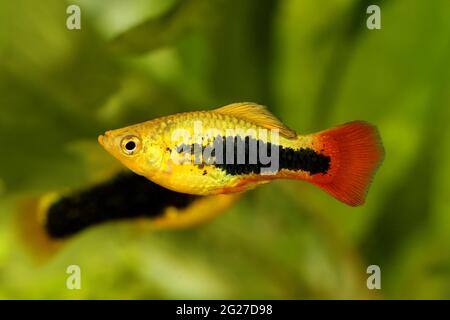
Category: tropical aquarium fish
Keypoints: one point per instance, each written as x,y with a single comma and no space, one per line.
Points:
239,146
45,222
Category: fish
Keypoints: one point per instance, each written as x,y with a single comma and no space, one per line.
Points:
46,222
239,146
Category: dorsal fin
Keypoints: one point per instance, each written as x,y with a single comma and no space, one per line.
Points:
258,115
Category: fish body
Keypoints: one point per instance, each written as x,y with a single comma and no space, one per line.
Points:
242,145
45,222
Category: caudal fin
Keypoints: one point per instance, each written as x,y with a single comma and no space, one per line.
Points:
356,153
30,226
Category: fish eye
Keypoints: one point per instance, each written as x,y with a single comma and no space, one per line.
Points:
130,145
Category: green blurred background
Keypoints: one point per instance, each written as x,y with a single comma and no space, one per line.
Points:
314,63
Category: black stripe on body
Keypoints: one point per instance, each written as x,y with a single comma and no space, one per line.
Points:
126,196
304,159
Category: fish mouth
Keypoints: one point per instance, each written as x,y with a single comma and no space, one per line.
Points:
100,140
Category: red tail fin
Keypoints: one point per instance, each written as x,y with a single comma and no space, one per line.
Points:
356,152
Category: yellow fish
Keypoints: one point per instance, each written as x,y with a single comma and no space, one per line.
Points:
45,222
241,145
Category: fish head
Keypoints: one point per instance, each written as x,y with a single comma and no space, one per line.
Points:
135,147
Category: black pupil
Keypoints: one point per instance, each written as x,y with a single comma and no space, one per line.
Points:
130,146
